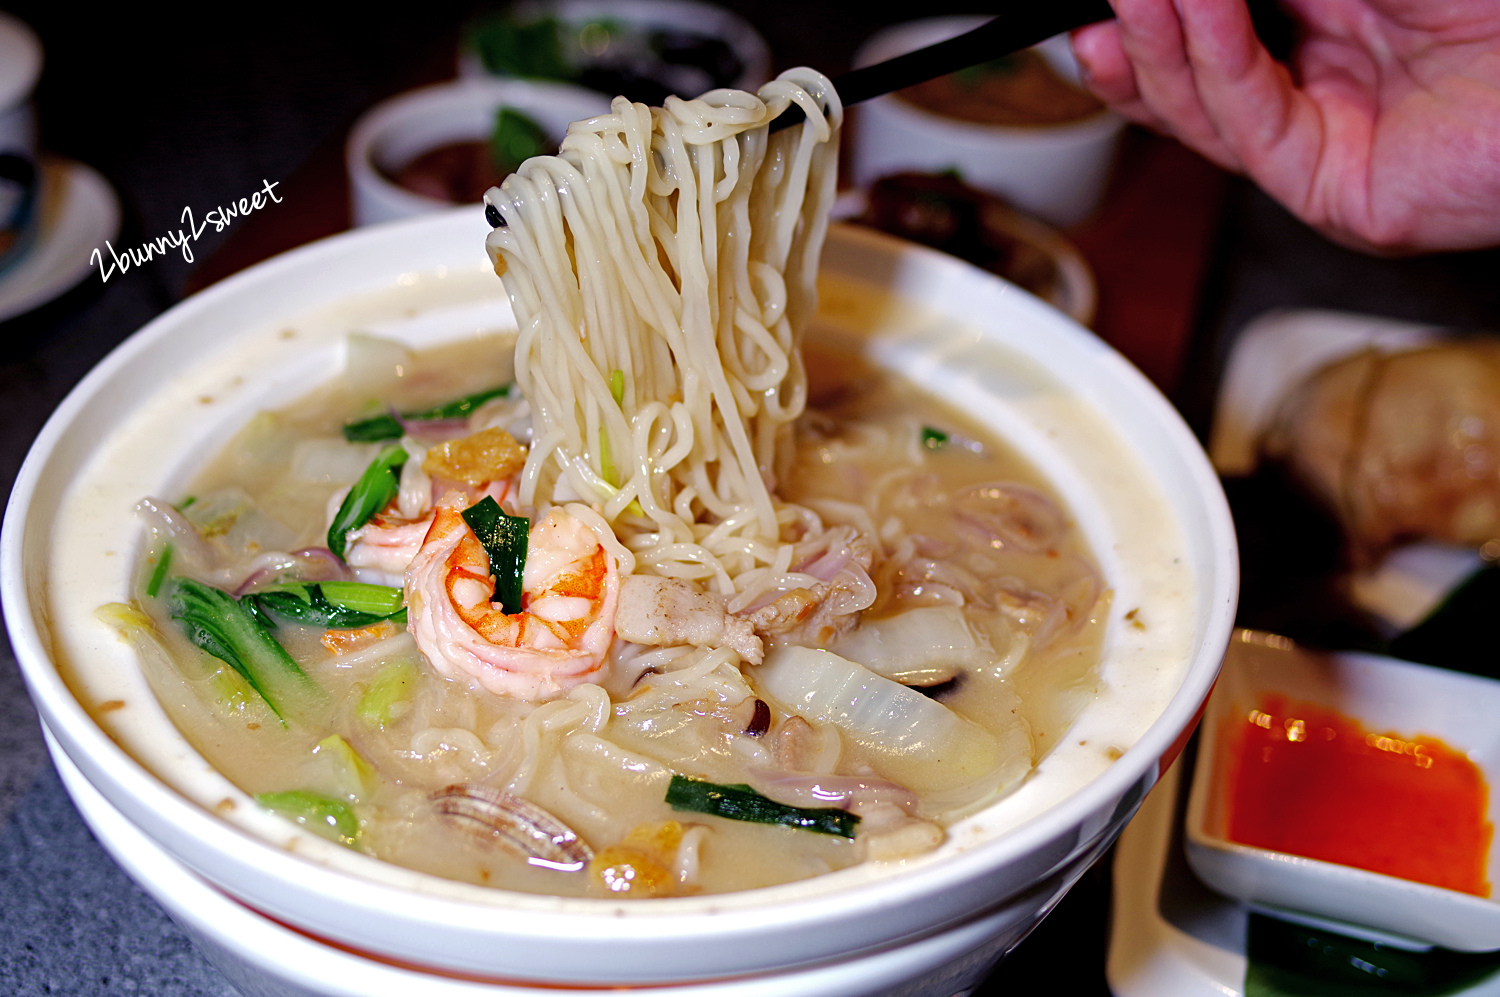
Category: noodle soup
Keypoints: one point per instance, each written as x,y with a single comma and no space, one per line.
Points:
986,614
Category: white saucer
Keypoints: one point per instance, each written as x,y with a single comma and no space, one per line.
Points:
79,211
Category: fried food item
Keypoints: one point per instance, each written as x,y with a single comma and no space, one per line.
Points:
1401,446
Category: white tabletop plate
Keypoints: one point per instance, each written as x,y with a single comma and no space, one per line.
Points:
79,212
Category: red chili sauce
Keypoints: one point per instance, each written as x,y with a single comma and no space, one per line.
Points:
1312,782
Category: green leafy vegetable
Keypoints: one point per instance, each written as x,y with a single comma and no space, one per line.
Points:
934,439
345,769
504,539
377,486
328,817
331,605
159,573
388,427
515,139
740,802
224,627
389,696
508,48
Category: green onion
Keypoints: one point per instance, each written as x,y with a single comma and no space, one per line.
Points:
504,539
159,573
617,385
380,427
740,802
330,605
934,439
377,486
328,817
388,427
220,624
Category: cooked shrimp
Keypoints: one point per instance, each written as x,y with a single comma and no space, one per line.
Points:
570,586
380,551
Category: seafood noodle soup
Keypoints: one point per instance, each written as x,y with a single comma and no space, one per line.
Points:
978,630
639,600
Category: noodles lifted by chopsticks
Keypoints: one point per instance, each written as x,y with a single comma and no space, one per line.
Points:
662,270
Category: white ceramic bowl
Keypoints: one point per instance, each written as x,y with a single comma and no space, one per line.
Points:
1139,486
1056,172
706,19
266,959
1384,695
396,131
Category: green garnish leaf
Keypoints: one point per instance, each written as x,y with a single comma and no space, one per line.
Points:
329,817
740,802
387,426
159,573
220,624
533,49
515,139
376,487
504,539
934,439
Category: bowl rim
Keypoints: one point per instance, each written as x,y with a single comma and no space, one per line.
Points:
93,750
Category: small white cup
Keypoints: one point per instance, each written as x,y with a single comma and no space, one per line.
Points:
395,132
1056,172
20,177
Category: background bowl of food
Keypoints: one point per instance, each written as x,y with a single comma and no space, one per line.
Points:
1109,462
1021,127
430,149
644,49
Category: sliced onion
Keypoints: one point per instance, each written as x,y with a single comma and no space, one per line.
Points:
912,739
851,792
922,646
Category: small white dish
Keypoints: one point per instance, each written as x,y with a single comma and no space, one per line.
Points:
79,212
1056,172
1383,695
1074,293
707,19
1170,936
393,133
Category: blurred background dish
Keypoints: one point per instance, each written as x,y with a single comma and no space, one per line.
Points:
643,49
429,149
20,177
1020,127
941,211
77,214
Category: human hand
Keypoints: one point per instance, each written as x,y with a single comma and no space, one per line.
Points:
1384,133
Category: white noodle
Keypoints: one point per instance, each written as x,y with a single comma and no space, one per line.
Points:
669,255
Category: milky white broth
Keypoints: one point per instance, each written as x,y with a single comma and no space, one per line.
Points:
456,734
